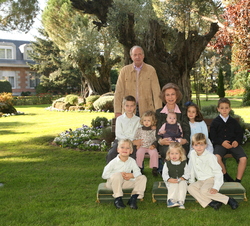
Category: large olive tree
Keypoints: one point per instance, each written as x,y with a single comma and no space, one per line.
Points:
171,33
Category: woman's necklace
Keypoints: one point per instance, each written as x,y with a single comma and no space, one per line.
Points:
170,110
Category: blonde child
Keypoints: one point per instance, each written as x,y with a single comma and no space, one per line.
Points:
197,125
171,129
205,168
175,173
122,172
148,143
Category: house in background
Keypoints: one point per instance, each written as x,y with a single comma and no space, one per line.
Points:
14,56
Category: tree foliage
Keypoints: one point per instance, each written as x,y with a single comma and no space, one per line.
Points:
17,15
221,89
172,44
235,30
57,75
84,46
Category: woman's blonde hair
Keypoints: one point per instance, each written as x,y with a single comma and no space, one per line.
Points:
171,86
199,138
179,147
149,114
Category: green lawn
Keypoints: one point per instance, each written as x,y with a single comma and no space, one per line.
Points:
49,185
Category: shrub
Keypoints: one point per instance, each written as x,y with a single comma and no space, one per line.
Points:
72,99
6,105
99,122
104,103
5,87
246,97
41,89
6,98
108,135
89,102
209,111
44,98
27,93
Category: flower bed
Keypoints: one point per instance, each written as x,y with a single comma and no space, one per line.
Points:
84,138
235,92
246,136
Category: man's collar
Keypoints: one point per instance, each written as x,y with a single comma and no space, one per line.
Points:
138,68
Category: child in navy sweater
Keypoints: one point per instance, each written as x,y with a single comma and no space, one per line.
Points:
226,135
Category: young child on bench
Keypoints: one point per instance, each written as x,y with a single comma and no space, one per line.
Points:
125,127
171,129
226,135
205,168
149,143
122,172
175,173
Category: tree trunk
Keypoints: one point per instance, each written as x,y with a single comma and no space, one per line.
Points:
98,84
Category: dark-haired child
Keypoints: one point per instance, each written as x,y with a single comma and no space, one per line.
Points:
197,125
226,135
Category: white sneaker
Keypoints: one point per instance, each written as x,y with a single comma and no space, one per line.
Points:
181,205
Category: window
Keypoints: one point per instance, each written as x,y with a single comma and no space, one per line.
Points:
6,52
29,50
34,79
9,76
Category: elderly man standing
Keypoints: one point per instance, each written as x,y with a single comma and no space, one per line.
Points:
139,80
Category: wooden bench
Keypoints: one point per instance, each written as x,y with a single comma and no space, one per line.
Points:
232,189
159,192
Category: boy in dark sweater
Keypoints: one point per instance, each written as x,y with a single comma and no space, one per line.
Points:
226,135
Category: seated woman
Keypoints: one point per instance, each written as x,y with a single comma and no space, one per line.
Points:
171,96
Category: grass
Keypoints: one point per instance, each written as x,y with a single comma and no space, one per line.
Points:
49,185
236,104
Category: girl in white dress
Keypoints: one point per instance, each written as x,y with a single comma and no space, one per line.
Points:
197,125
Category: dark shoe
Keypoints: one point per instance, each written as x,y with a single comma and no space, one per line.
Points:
215,204
227,178
119,203
132,202
154,172
233,203
237,180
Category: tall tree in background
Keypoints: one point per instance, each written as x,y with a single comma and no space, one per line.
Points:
17,15
83,45
153,25
220,88
234,31
57,75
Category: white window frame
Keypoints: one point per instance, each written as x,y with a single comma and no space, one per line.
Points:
6,75
8,46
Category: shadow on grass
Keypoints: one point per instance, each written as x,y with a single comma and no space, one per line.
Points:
9,132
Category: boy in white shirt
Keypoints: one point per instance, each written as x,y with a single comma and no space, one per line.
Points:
122,172
205,168
125,127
